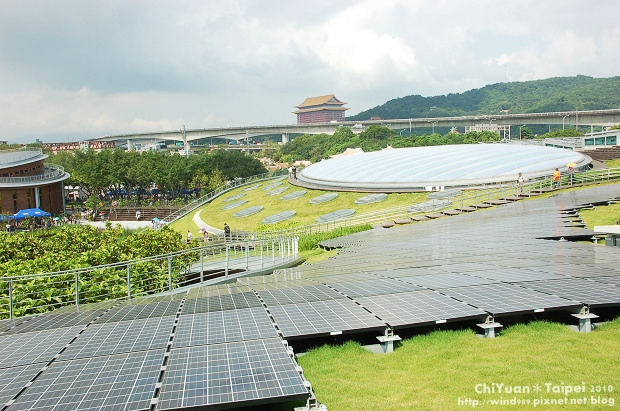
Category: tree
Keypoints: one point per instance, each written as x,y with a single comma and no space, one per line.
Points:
568,132
215,179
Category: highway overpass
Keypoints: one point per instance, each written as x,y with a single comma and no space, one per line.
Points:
566,118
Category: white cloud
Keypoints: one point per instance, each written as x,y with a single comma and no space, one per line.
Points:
84,68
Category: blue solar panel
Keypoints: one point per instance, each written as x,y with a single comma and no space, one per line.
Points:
232,373
224,326
122,382
324,317
34,347
121,337
418,308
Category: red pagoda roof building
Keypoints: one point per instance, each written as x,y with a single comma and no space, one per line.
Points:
321,109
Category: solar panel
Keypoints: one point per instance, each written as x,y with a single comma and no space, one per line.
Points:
122,382
51,321
609,280
502,298
409,272
448,280
374,286
34,347
217,290
473,267
574,270
282,296
272,282
323,318
121,337
586,291
244,372
417,308
220,303
331,277
134,311
514,275
223,326
14,379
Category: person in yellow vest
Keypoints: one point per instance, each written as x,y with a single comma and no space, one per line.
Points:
556,177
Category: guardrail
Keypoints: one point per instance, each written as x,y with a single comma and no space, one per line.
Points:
52,171
470,196
28,153
238,182
208,262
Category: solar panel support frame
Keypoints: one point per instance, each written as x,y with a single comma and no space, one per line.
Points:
489,327
585,319
386,341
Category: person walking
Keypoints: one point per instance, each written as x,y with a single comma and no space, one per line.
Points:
556,177
521,182
205,236
571,175
294,172
189,236
226,232
138,215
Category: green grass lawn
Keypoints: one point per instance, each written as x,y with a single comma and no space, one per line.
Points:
435,370
306,213
613,163
603,215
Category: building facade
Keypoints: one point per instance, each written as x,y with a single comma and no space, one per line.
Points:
81,145
26,182
321,109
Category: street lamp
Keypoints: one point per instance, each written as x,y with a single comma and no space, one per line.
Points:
401,131
433,125
564,117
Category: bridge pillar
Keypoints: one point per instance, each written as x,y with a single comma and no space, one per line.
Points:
130,145
284,138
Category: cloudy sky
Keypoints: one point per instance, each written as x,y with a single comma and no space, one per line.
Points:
72,69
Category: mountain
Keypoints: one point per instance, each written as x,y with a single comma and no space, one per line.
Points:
538,96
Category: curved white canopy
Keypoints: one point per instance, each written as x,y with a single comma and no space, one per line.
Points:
450,166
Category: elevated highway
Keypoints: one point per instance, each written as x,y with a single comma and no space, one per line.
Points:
567,118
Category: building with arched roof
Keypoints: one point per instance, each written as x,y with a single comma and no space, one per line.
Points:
26,182
422,168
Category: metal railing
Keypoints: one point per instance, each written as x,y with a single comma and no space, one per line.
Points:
52,171
206,263
238,182
26,154
470,196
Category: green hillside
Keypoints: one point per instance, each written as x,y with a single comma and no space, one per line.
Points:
554,94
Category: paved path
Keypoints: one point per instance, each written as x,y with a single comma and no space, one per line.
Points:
201,224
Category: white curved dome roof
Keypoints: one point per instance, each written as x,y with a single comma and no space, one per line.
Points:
416,168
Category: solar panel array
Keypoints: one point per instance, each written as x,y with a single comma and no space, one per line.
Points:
210,348
223,346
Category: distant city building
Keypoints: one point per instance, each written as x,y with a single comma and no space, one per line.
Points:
321,109
25,182
81,145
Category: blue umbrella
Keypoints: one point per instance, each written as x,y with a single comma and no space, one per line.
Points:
30,212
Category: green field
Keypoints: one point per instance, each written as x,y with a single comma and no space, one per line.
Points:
436,370
306,213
